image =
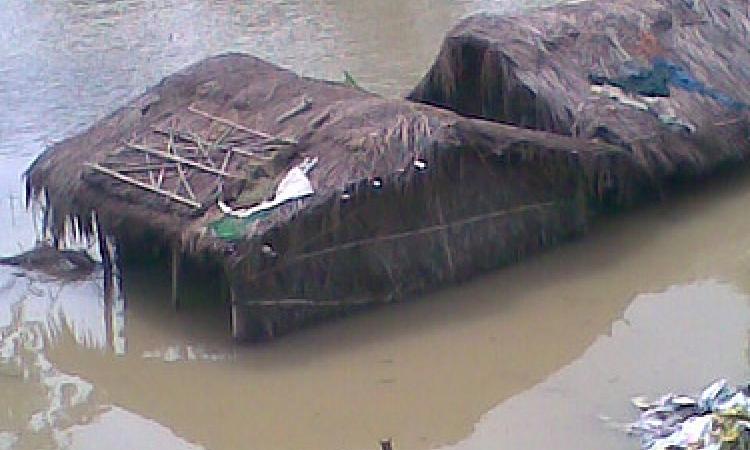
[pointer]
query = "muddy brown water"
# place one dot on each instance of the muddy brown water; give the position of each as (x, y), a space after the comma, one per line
(544, 354)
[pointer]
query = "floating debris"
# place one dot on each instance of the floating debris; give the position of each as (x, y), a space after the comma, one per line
(175, 353)
(718, 420)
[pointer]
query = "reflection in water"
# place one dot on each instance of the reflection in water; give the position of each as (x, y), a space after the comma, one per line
(33, 313)
(46, 407)
(28, 300)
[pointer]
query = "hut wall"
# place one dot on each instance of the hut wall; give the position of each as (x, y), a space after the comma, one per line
(467, 213)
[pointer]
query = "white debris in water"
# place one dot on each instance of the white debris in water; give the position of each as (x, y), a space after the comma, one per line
(36, 311)
(151, 354)
(681, 422)
(175, 353)
(38, 421)
(172, 354)
(119, 345)
(191, 356)
(40, 310)
(43, 363)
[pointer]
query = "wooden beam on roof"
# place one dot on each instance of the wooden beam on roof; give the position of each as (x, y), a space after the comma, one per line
(140, 184)
(228, 122)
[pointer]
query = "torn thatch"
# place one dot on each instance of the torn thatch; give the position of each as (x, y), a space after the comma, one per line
(666, 80)
(406, 196)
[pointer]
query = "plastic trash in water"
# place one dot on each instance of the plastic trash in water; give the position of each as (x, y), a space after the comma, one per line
(718, 419)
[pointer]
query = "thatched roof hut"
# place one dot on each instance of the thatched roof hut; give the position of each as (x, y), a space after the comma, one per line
(406, 196)
(666, 80)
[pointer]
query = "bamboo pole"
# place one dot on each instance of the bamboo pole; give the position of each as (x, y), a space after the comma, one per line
(178, 159)
(162, 172)
(183, 136)
(444, 234)
(239, 151)
(104, 252)
(151, 178)
(304, 105)
(227, 157)
(183, 179)
(228, 122)
(306, 302)
(143, 168)
(224, 166)
(180, 172)
(238, 317)
(129, 180)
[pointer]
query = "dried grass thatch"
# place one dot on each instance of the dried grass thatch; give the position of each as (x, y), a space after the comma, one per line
(407, 196)
(536, 69)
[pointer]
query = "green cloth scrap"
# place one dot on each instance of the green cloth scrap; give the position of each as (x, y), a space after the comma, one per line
(233, 228)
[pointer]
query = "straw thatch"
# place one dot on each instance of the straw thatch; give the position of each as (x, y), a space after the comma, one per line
(407, 196)
(666, 80)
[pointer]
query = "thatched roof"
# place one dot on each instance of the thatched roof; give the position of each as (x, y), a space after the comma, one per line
(558, 69)
(357, 138)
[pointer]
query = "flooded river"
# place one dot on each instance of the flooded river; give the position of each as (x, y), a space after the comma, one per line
(544, 354)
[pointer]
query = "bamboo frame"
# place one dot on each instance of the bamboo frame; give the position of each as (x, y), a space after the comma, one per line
(140, 184)
(179, 159)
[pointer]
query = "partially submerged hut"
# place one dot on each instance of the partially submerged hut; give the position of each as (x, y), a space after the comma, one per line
(384, 198)
(668, 81)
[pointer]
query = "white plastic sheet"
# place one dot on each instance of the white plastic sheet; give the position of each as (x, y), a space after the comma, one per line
(293, 186)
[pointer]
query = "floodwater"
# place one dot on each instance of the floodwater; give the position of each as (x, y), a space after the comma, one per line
(544, 354)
